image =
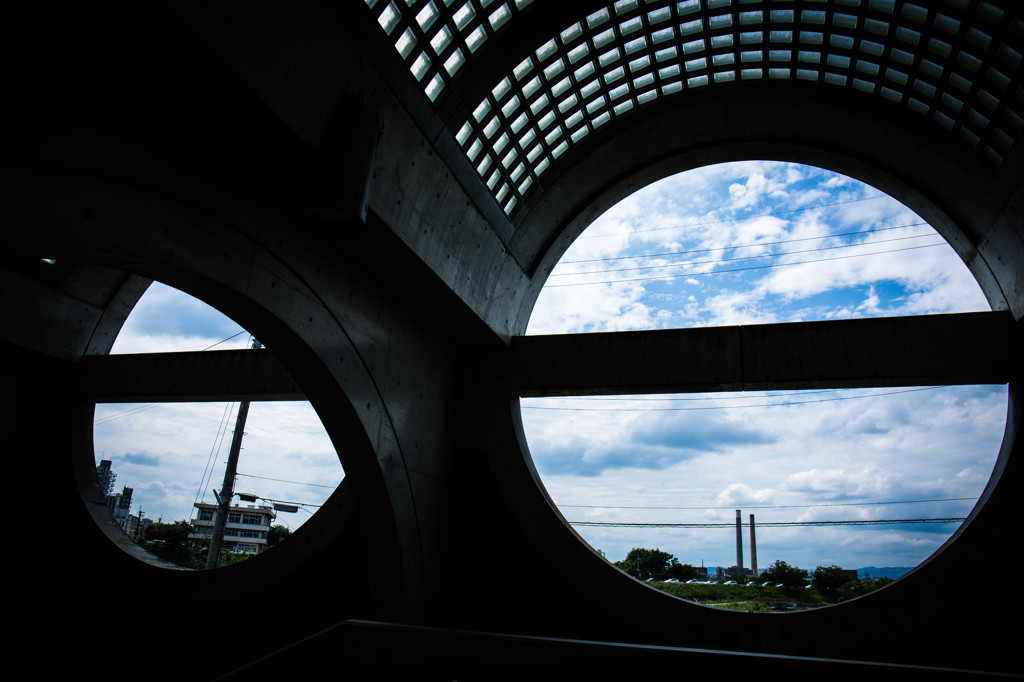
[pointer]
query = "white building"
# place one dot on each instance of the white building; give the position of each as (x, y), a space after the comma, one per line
(245, 531)
(120, 506)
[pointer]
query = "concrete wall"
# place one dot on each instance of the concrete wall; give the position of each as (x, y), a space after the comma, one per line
(188, 151)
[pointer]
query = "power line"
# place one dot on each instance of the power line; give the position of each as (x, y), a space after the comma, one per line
(218, 440)
(725, 407)
(762, 524)
(281, 480)
(745, 246)
(225, 340)
(741, 258)
(274, 500)
(779, 506)
(752, 267)
(735, 220)
(126, 413)
(748, 395)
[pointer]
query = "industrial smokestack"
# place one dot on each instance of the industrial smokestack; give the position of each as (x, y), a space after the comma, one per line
(739, 540)
(753, 549)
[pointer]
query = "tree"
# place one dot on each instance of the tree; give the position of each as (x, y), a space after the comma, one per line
(276, 534)
(781, 572)
(855, 589)
(227, 558)
(828, 580)
(169, 533)
(681, 572)
(647, 564)
(169, 541)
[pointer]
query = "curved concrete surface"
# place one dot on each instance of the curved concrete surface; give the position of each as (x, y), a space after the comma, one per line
(291, 167)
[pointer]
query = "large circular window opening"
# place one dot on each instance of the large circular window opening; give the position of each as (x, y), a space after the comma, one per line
(186, 473)
(763, 499)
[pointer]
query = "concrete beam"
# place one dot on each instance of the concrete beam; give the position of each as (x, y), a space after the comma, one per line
(226, 375)
(904, 351)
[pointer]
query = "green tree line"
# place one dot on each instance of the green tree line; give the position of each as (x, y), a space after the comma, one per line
(828, 584)
(170, 542)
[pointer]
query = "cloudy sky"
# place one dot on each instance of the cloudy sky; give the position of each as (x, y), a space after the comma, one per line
(749, 243)
(174, 454)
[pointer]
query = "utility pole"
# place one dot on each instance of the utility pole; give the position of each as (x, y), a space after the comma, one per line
(227, 489)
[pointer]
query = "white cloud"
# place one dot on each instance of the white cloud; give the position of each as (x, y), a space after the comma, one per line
(871, 480)
(740, 493)
(603, 307)
(165, 343)
(757, 186)
(738, 307)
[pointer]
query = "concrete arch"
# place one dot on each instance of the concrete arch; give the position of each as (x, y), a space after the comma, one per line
(973, 209)
(197, 140)
(98, 224)
(903, 613)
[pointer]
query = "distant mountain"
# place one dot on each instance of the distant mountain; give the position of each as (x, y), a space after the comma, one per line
(887, 572)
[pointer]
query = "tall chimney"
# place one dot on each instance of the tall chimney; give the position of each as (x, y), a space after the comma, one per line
(753, 549)
(739, 540)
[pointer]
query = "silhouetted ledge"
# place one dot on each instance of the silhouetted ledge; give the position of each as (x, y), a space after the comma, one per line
(361, 649)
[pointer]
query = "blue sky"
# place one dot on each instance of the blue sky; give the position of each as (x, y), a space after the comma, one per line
(749, 243)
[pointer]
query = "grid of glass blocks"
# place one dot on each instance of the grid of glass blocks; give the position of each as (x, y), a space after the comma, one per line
(437, 37)
(956, 62)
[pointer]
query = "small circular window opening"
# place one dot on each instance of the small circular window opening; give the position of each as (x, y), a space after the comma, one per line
(762, 500)
(186, 474)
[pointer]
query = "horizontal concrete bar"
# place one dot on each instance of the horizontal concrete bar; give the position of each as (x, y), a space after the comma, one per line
(225, 375)
(964, 348)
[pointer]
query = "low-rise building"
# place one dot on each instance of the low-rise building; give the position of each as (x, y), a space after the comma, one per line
(245, 531)
(120, 507)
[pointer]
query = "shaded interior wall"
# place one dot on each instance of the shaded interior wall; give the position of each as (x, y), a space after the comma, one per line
(172, 125)
(442, 520)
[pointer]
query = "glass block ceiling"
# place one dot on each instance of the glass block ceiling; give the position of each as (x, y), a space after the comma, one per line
(955, 62)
